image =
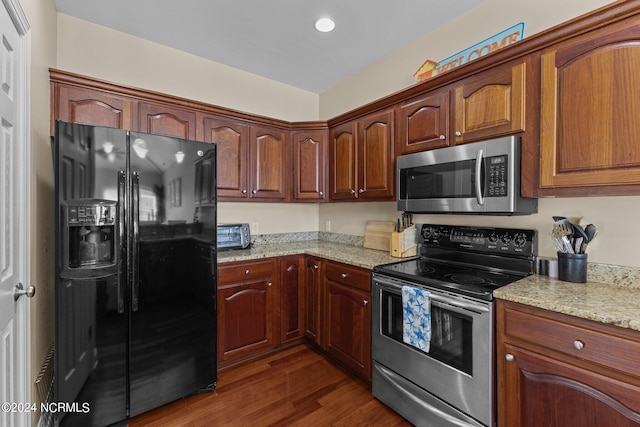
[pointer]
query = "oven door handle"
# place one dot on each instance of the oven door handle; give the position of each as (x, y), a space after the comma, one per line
(451, 302)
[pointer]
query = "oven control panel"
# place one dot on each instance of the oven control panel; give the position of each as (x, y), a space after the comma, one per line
(510, 241)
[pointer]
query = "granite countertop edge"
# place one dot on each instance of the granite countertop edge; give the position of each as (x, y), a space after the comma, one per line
(615, 304)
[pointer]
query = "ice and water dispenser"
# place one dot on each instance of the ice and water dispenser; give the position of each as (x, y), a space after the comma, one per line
(89, 235)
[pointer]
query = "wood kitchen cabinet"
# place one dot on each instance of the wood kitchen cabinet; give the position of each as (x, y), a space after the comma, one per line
(590, 132)
(232, 140)
(558, 370)
(292, 276)
(166, 120)
(91, 107)
(247, 317)
(347, 316)
(314, 274)
(310, 154)
(362, 158)
(269, 169)
(423, 123)
(489, 104)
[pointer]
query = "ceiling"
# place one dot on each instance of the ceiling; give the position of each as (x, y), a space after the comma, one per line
(276, 39)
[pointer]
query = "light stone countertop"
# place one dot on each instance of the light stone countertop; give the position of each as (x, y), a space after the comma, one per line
(611, 303)
(341, 252)
(611, 294)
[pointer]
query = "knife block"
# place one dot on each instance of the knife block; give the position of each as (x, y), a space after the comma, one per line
(402, 244)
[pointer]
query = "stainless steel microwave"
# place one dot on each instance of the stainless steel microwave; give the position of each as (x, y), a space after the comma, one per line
(233, 236)
(477, 178)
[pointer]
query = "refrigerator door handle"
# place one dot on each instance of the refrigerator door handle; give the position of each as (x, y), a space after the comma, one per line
(121, 233)
(136, 235)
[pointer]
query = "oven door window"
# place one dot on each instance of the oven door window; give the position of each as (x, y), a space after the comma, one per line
(451, 332)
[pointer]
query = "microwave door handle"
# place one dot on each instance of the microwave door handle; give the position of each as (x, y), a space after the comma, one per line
(479, 161)
(121, 245)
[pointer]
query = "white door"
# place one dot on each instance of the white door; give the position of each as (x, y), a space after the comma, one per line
(14, 182)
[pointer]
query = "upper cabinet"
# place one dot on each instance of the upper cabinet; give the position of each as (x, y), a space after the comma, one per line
(269, 167)
(486, 105)
(423, 123)
(91, 107)
(361, 158)
(590, 131)
(490, 104)
(232, 140)
(161, 119)
(310, 153)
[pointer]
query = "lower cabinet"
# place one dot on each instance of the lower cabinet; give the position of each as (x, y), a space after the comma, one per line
(291, 298)
(348, 316)
(246, 309)
(558, 370)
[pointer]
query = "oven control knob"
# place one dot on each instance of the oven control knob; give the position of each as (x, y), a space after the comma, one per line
(520, 240)
(493, 238)
(506, 239)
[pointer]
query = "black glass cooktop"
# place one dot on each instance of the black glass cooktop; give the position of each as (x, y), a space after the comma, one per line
(472, 281)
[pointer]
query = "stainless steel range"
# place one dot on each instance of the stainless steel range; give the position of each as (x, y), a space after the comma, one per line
(433, 323)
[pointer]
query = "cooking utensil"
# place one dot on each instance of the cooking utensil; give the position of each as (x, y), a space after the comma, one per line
(563, 229)
(590, 231)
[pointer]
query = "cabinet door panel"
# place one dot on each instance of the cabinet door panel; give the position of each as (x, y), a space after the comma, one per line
(343, 162)
(309, 160)
(313, 299)
(376, 170)
(490, 104)
(424, 123)
(232, 150)
(92, 107)
(292, 307)
(245, 313)
(163, 120)
(268, 157)
(349, 327)
(589, 121)
(548, 392)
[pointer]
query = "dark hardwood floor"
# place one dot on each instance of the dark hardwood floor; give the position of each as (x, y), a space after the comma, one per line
(298, 386)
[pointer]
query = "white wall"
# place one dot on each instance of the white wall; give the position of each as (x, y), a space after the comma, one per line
(615, 217)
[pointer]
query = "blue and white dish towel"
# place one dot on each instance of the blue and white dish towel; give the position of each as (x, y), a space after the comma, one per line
(416, 318)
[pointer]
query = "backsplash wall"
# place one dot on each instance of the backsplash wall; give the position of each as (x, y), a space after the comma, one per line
(615, 217)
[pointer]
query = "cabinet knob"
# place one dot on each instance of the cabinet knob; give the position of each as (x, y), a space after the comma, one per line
(315, 266)
(509, 357)
(442, 137)
(244, 191)
(578, 345)
(247, 271)
(361, 191)
(458, 133)
(254, 191)
(321, 193)
(344, 275)
(365, 302)
(270, 284)
(353, 191)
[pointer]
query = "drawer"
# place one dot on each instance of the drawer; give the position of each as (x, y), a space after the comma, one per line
(245, 271)
(601, 344)
(347, 275)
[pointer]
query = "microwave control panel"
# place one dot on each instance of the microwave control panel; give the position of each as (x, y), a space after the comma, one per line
(497, 176)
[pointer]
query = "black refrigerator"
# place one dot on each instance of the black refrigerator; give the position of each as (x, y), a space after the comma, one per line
(135, 267)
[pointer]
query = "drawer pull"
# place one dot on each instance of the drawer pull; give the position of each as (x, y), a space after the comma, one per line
(578, 345)
(509, 357)
(270, 284)
(247, 271)
(344, 275)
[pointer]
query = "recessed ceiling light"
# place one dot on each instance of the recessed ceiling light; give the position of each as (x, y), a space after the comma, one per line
(325, 25)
